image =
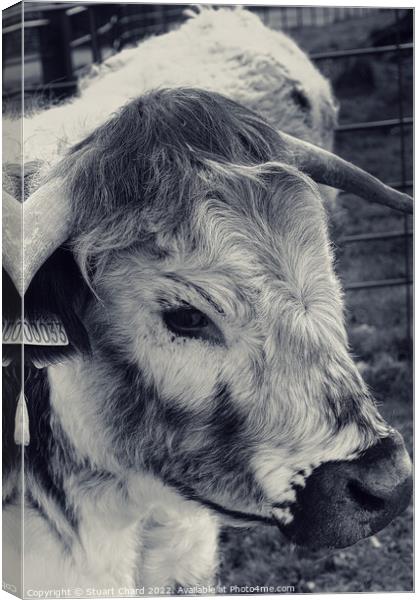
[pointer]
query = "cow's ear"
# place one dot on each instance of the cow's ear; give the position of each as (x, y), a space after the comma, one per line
(54, 304)
(52, 328)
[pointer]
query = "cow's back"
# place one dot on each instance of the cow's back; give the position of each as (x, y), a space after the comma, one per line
(228, 51)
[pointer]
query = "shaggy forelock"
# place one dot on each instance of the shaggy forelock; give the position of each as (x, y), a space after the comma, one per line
(142, 174)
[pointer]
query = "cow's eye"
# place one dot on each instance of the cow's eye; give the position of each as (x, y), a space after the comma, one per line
(190, 322)
(183, 320)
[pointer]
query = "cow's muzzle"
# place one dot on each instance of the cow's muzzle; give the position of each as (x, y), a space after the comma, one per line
(345, 501)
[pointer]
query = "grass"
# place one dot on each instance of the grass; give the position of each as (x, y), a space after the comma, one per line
(367, 89)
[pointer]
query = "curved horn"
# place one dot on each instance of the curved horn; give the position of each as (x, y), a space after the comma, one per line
(42, 221)
(327, 168)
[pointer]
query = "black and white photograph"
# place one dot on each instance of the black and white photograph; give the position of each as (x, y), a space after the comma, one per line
(207, 299)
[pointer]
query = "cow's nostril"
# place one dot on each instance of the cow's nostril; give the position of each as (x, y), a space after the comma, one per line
(359, 497)
(364, 498)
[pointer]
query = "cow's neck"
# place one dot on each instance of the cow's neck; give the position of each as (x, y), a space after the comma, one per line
(113, 530)
(84, 511)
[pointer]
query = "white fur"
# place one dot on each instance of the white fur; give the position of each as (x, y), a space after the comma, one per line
(147, 539)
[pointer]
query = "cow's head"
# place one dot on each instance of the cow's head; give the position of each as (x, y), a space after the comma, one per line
(215, 319)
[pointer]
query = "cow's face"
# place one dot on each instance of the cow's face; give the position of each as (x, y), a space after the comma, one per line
(220, 353)
(236, 385)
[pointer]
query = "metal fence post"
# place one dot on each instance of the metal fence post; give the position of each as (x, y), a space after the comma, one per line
(119, 40)
(96, 49)
(57, 64)
(160, 16)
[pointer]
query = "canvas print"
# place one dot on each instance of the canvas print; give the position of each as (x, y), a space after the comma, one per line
(207, 299)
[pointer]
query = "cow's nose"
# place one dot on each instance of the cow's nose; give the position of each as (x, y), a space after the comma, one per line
(345, 501)
(380, 481)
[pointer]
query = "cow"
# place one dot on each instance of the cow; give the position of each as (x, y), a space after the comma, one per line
(196, 370)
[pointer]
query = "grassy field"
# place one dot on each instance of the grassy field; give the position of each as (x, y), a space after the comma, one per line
(367, 89)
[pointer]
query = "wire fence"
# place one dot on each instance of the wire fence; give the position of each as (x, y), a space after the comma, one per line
(401, 121)
(61, 39)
